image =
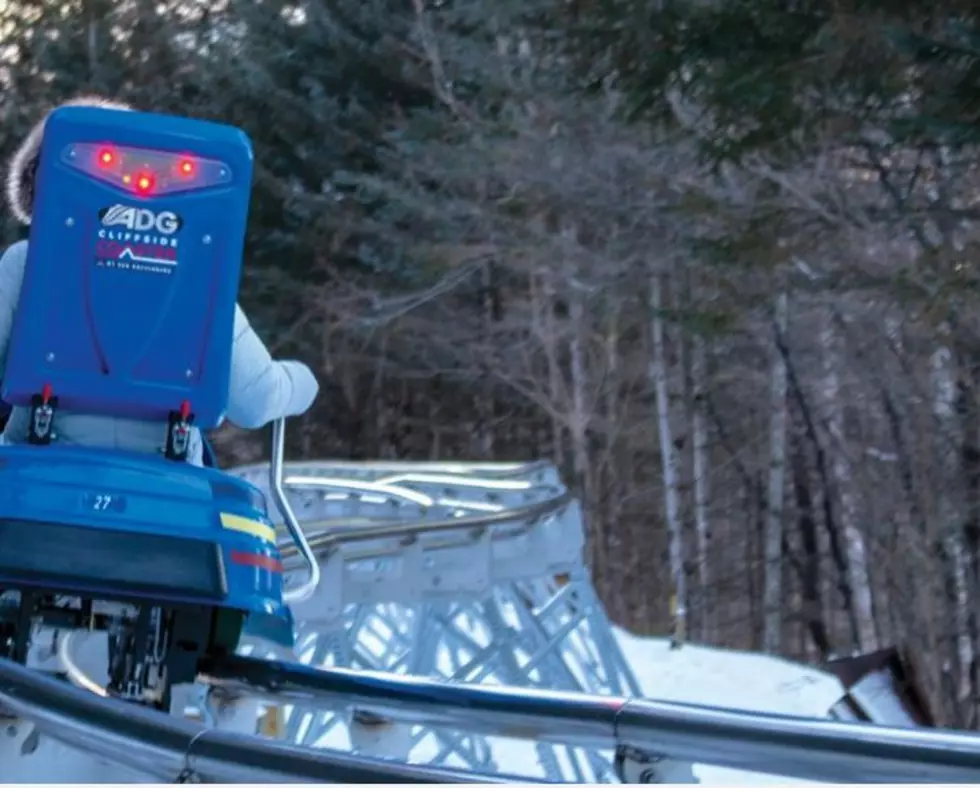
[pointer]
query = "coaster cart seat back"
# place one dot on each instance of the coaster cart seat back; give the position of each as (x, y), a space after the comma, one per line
(127, 309)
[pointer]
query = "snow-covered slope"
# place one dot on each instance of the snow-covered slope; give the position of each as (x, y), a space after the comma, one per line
(729, 679)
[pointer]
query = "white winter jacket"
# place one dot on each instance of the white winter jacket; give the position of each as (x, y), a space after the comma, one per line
(261, 390)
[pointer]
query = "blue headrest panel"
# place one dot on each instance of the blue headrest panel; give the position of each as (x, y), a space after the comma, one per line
(134, 261)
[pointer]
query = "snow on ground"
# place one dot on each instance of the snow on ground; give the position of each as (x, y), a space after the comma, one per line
(730, 679)
(693, 674)
(698, 675)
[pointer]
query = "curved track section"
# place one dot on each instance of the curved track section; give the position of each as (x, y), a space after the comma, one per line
(438, 584)
(464, 572)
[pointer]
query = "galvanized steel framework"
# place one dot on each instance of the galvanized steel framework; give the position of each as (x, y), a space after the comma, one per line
(466, 572)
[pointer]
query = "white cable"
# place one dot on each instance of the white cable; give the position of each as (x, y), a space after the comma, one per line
(75, 673)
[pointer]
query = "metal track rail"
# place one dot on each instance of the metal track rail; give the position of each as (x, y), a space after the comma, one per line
(172, 749)
(822, 750)
(432, 537)
(324, 539)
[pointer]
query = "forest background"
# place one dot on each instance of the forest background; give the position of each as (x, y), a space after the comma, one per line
(718, 261)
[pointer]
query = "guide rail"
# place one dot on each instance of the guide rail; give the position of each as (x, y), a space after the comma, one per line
(172, 748)
(811, 749)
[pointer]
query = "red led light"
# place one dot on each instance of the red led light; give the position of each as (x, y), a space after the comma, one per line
(144, 182)
(186, 167)
(107, 158)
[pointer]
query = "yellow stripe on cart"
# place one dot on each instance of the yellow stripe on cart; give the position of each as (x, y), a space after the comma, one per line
(234, 522)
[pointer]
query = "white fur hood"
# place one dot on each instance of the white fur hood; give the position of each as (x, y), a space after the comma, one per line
(19, 184)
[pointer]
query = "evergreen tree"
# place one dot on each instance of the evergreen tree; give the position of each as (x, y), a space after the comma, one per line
(136, 51)
(317, 90)
(779, 77)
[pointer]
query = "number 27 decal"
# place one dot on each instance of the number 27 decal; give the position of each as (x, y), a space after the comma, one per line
(104, 502)
(101, 502)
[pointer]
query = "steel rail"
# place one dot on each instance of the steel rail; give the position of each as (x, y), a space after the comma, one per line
(493, 470)
(324, 539)
(162, 746)
(810, 749)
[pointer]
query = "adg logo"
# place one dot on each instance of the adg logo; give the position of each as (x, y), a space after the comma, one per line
(137, 239)
(141, 220)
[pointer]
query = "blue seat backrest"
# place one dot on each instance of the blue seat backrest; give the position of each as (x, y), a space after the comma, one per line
(133, 266)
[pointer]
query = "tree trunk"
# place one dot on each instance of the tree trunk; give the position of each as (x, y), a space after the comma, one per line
(854, 544)
(485, 405)
(810, 589)
(702, 524)
(579, 419)
(773, 566)
(950, 513)
(542, 295)
(670, 463)
(609, 533)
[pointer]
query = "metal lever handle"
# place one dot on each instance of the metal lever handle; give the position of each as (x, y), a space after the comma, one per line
(308, 587)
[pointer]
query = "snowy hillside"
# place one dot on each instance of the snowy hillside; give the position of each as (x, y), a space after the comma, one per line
(730, 679)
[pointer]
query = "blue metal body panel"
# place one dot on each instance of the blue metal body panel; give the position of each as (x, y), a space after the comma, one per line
(128, 493)
(128, 299)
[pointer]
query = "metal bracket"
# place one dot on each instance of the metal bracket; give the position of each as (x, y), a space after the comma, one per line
(636, 766)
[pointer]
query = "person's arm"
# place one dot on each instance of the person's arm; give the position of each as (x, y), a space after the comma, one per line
(12, 265)
(263, 389)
